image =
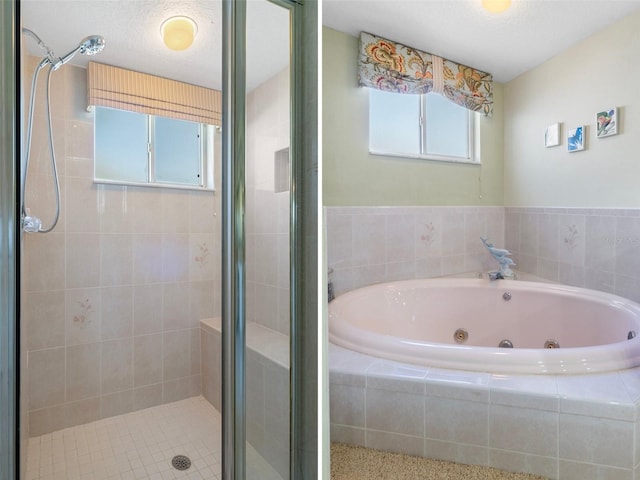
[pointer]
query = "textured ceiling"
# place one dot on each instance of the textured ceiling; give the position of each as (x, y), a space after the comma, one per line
(506, 44)
(132, 32)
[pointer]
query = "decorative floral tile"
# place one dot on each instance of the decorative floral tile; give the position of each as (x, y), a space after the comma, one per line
(202, 258)
(427, 234)
(571, 237)
(83, 313)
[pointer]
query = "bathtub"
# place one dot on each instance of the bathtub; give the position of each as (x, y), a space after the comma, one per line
(458, 323)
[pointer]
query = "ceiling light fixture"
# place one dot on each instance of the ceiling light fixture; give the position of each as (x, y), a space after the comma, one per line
(496, 6)
(178, 32)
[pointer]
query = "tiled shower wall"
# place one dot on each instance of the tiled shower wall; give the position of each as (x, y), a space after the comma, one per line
(367, 245)
(267, 216)
(592, 248)
(114, 294)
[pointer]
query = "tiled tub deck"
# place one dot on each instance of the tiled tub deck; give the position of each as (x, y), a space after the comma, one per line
(569, 427)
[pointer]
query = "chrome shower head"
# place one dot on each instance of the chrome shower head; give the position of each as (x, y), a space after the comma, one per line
(89, 46)
(92, 45)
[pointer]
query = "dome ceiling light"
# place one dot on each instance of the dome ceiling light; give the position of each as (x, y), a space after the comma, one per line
(178, 32)
(496, 6)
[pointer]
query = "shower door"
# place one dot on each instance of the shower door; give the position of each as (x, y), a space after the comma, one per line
(8, 242)
(269, 354)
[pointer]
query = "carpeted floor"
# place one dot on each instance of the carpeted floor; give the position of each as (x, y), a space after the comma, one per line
(359, 463)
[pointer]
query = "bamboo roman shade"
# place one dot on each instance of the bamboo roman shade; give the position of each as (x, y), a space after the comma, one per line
(395, 67)
(115, 87)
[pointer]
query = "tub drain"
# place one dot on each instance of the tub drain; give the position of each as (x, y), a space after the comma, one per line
(181, 462)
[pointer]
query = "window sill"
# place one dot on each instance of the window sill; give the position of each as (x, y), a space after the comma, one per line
(436, 158)
(173, 186)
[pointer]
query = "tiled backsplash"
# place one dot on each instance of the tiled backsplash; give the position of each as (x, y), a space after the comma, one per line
(592, 248)
(367, 245)
(114, 294)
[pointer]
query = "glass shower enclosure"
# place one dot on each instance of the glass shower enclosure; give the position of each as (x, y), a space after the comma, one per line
(268, 246)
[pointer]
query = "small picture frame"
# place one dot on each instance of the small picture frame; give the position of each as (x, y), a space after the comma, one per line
(552, 135)
(607, 123)
(576, 139)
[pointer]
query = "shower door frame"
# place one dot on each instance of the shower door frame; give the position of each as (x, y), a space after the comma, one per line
(9, 241)
(303, 452)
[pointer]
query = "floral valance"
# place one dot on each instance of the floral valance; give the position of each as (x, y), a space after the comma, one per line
(394, 67)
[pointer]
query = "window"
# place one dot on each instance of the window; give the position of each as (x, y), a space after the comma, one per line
(421, 126)
(139, 149)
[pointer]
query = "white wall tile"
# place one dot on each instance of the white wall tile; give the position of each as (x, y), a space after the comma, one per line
(176, 358)
(116, 257)
(579, 471)
(347, 405)
(116, 366)
(510, 429)
(395, 412)
(588, 440)
(117, 312)
(455, 452)
(457, 421)
(46, 378)
(44, 314)
(82, 371)
(147, 360)
(395, 442)
(546, 467)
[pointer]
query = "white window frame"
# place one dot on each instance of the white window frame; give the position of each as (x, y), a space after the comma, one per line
(207, 145)
(473, 136)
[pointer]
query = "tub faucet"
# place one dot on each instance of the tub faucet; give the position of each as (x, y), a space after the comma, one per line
(502, 256)
(496, 276)
(330, 293)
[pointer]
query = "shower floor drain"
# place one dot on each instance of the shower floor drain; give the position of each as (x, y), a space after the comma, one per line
(181, 462)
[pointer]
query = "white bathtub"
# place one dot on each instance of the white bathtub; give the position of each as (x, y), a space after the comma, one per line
(415, 322)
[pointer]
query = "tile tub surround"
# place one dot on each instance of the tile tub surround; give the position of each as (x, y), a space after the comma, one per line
(267, 398)
(113, 296)
(561, 427)
(597, 248)
(367, 245)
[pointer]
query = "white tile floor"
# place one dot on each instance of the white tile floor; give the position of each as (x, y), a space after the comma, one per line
(139, 446)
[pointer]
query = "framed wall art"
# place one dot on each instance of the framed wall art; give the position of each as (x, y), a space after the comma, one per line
(575, 139)
(552, 135)
(607, 123)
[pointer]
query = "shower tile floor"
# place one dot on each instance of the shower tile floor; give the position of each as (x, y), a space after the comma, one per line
(139, 446)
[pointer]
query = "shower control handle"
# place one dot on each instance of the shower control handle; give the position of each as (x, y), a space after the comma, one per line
(31, 224)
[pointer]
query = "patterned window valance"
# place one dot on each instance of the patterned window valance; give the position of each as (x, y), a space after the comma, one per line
(394, 67)
(109, 86)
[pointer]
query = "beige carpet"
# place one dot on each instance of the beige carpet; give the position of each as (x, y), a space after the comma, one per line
(359, 463)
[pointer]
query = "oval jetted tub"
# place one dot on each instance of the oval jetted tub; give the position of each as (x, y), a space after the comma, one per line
(459, 324)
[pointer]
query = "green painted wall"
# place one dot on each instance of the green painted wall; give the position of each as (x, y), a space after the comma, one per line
(352, 177)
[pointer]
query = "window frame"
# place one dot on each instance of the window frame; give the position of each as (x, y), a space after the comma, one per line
(207, 156)
(473, 136)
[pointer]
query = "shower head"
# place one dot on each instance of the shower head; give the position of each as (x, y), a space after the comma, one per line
(92, 45)
(88, 46)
